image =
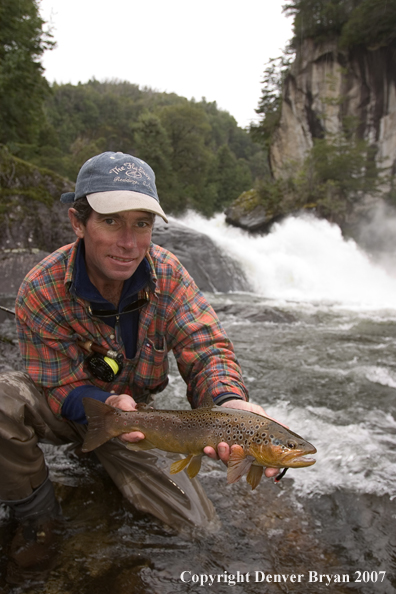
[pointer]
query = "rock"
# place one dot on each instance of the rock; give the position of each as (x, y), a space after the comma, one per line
(31, 215)
(248, 213)
(212, 270)
(256, 314)
(14, 265)
(325, 86)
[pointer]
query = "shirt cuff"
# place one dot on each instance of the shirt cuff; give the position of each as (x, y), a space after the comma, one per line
(73, 408)
(225, 397)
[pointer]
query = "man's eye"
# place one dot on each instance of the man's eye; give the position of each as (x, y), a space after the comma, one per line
(109, 221)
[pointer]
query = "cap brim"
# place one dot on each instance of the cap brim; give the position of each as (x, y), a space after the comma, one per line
(119, 200)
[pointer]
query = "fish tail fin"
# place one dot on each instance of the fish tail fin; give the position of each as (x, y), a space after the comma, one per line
(98, 415)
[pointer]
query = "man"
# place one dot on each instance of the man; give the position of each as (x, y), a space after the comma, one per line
(97, 318)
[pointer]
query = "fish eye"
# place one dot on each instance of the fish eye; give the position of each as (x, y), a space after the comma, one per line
(291, 445)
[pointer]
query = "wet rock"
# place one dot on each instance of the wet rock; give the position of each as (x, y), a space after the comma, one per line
(14, 265)
(256, 314)
(212, 269)
(31, 215)
(247, 212)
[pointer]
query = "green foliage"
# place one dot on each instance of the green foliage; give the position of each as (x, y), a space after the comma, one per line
(270, 104)
(191, 146)
(320, 19)
(153, 146)
(188, 131)
(229, 177)
(22, 85)
(372, 24)
(22, 180)
(200, 156)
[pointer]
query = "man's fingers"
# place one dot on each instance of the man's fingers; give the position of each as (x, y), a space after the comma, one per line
(133, 436)
(122, 401)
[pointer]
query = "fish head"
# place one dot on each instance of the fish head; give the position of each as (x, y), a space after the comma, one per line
(282, 449)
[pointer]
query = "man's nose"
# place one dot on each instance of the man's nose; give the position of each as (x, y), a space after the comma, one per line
(127, 239)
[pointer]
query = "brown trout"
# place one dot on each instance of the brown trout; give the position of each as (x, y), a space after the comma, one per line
(260, 441)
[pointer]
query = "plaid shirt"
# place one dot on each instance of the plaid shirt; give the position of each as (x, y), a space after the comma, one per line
(51, 319)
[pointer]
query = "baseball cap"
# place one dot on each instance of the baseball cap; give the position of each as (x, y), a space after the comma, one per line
(113, 182)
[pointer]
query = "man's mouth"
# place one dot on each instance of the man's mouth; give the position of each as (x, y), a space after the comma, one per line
(122, 259)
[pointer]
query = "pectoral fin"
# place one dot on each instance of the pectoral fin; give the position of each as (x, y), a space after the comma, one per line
(254, 475)
(180, 465)
(238, 464)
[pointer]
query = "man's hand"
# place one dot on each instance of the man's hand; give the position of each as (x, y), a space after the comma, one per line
(127, 403)
(223, 449)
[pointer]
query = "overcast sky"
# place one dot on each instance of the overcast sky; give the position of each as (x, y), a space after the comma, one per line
(215, 49)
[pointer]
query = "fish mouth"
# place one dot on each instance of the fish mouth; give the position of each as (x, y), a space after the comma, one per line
(301, 461)
(296, 460)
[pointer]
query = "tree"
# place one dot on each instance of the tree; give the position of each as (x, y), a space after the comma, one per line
(372, 24)
(270, 104)
(231, 177)
(320, 19)
(23, 87)
(152, 144)
(189, 134)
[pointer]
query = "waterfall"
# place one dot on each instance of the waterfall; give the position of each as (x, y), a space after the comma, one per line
(303, 259)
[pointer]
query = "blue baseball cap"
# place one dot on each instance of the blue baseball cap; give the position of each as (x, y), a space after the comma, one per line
(113, 182)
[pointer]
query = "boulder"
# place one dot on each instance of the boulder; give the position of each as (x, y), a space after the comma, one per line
(212, 269)
(247, 212)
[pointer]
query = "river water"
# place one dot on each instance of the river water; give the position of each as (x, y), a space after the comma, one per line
(315, 333)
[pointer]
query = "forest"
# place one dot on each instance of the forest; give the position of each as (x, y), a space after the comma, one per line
(201, 158)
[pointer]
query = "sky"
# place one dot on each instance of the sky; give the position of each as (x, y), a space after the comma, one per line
(215, 49)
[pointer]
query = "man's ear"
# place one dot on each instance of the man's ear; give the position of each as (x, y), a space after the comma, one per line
(78, 226)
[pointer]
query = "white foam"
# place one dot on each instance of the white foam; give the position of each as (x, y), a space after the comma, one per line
(357, 456)
(303, 259)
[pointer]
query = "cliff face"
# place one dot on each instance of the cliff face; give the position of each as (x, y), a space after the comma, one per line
(31, 215)
(324, 86)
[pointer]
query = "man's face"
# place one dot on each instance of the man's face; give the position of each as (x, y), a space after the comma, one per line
(115, 244)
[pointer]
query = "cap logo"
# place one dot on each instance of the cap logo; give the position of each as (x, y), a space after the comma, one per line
(131, 171)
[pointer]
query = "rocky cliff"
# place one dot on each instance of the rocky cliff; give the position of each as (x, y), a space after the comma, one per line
(324, 86)
(327, 88)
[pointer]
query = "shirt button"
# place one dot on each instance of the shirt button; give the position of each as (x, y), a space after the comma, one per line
(112, 336)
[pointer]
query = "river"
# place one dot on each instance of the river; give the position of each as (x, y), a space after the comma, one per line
(315, 333)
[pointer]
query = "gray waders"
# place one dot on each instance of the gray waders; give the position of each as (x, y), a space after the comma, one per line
(142, 477)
